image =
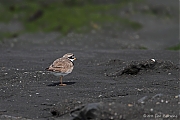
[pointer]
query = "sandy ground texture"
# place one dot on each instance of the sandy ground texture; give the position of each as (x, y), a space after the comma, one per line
(113, 78)
(123, 84)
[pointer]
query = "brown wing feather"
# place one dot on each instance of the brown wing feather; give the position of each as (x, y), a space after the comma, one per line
(61, 65)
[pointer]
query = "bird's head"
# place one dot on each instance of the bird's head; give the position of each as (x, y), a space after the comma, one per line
(70, 56)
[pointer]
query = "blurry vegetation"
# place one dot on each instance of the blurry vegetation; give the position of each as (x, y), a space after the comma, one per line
(157, 10)
(64, 15)
(7, 35)
(143, 48)
(177, 47)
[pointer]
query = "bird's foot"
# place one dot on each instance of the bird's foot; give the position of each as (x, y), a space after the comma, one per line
(62, 84)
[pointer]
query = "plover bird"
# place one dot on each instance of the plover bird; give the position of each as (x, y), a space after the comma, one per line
(62, 66)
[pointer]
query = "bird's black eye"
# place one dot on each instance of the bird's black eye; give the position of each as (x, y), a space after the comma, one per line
(71, 57)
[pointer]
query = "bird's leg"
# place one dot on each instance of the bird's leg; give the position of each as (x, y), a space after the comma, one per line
(61, 83)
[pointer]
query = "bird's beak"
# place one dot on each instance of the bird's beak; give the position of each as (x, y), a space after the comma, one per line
(75, 58)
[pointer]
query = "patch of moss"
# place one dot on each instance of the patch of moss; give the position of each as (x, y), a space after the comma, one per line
(176, 47)
(142, 48)
(65, 16)
(7, 35)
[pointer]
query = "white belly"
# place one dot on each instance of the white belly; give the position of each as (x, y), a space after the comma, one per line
(59, 74)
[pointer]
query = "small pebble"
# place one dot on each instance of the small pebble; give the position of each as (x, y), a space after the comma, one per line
(100, 96)
(79, 102)
(153, 60)
(169, 73)
(176, 96)
(157, 103)
(111, 118)
(130, 105)
(35, 105)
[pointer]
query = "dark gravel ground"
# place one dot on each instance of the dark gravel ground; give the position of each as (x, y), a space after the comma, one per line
(112, 78)
(30, 92)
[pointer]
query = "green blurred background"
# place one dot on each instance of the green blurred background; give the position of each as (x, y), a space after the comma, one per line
(65, 16)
